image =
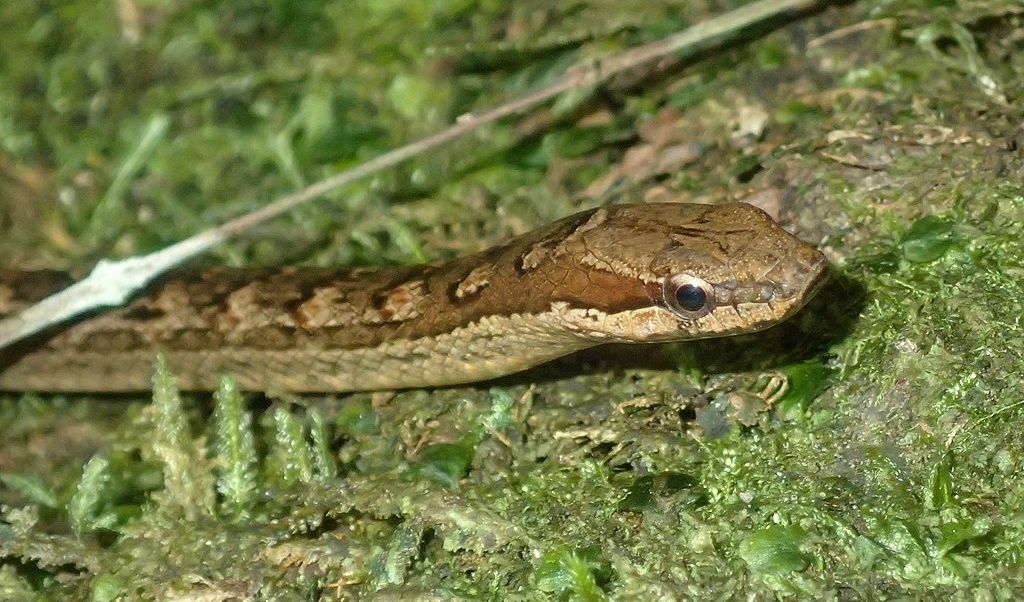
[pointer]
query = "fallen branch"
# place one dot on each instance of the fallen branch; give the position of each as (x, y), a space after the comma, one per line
(111, 283)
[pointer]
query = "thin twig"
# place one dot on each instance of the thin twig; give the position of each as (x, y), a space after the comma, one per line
(113, 283)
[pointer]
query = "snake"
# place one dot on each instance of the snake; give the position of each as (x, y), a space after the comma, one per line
(639, 273)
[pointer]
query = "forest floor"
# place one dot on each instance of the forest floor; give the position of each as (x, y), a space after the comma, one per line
(888, 133)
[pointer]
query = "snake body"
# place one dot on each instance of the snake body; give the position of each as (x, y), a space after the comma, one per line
(623, 273)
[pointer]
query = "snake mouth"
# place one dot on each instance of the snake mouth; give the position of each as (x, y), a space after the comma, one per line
(816, 275)
(808, 279)
(821, 271)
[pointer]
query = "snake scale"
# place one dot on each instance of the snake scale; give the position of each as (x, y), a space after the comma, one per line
(621, 273)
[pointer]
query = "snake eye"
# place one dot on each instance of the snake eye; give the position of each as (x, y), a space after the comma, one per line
(691, 297)
(688, 297)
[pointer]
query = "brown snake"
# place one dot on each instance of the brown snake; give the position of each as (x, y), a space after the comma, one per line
(622, 273)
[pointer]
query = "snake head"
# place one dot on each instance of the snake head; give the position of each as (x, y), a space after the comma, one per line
(704, 270)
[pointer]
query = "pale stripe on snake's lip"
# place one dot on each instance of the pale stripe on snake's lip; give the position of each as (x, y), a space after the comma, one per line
(593, 277)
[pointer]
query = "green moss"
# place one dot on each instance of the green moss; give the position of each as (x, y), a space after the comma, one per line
(887, 467)
(84, 509)
(774, 550)
(572, 574)
(236, 449)
(447, 462)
